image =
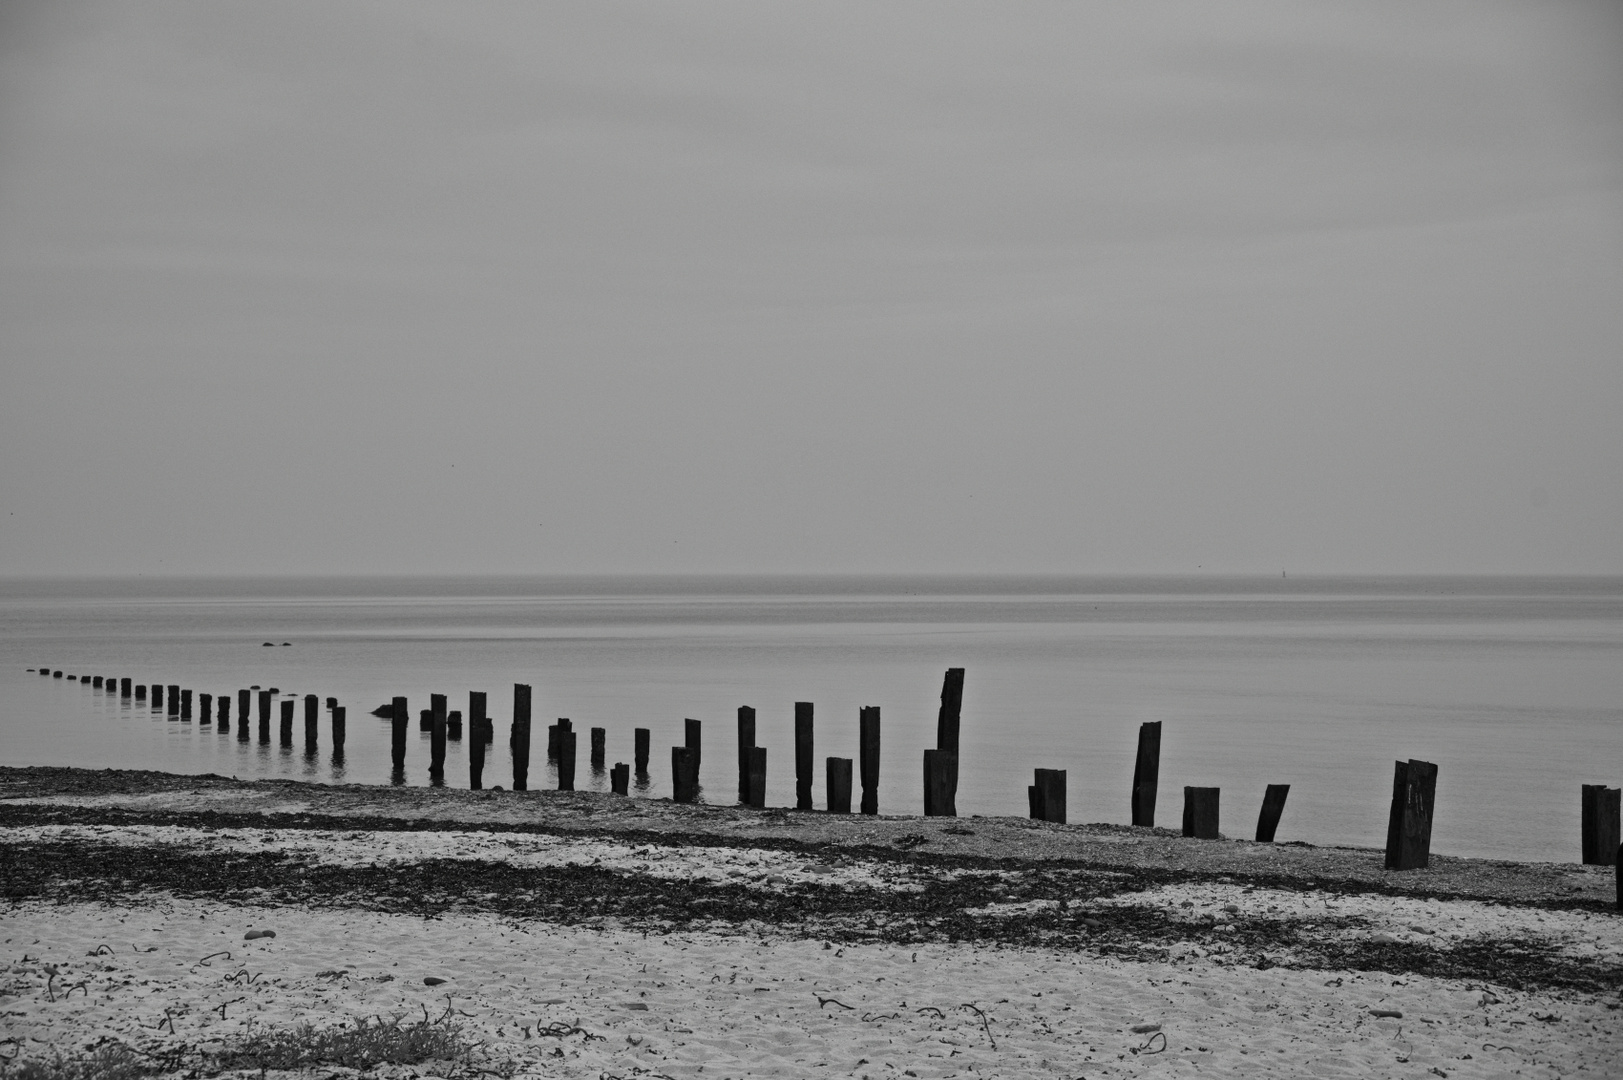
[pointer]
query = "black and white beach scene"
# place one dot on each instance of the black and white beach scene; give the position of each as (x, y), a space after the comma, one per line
(876, 540)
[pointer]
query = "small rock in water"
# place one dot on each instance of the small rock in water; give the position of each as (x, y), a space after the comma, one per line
(255, 935)
(432, 980)
(267, 645)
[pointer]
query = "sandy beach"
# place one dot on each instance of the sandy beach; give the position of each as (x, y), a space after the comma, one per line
(587, 936)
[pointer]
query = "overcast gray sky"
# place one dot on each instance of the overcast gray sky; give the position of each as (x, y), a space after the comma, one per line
(341, 287)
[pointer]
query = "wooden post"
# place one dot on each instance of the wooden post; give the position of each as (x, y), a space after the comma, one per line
(436, 739)
(600, 741)
(312, 721)
(244, 707)
(946, 728)
(839, 785)
(566, 761)
(692, 736)
(1273, 804)
(552, 741)
(1408, 830)
(1146, 773)
(123, 688)
(805, 762)
(332, 703)
(205, 708)
(1600, 823)
(174, 700)
(1200, 812)
(338, 716)
(286, 730)
(1047, 796)
(746, 739)
(399, 718)
(264, 716)
(157, 693)
(453, 725)
(620, 778)
(1617, 857)
(225, 713)
(756, 796)
(477, 720)
(141, 692)
(95, 682)
(639, 737)
(940, 769)
(684, 775)
(185, 704)
(243, 720)
(521, 737)
(476, 743)
(868, 756)
(425, 720)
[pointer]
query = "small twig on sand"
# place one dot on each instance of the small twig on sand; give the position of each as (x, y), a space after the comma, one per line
(984, 1022)
(821, 1001)
(205, 961)
(939, 1015)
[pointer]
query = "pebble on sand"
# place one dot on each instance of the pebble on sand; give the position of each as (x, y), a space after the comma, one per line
(255, 935)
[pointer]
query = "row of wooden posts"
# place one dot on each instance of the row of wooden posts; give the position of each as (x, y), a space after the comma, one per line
(1408, 839)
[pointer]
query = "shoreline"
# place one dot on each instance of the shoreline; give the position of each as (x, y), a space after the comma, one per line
(1263, 948)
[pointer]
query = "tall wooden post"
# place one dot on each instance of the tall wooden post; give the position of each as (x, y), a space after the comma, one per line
(755, 797)
(746, 739)
(312, 721)
(1146, 773)
(946, 728)
(600, 748)
(1200, 812)
(940, 774)
(245, 700)
(684, 775)
(95, 682)
(477, 719)
(205, 708)
(566, 760)
(399, 719)
(639, 737)
(692, 738)
(140, 691)
(264, 715)
(1273, 805)
(124, 687)
(805, 762)
(174, 700)
(620, 778)
(1600, 823)
(521, 737)
(436, 739)
(185, 704)
(1408, 830)
(839, 785)
(225, 713)
(157, 694)
(338, 715)
(286, 729)
(868, 756)
(453, 725)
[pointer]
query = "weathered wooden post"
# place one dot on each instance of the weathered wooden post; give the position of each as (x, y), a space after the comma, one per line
(521, 737)
(286, 730)
(95, 682)
(620, 778)
(566, 760)
(1273, 805)
(244, 708)
(173, 700)
(205, 708)
(399, 719)
(425, 720)
(141, 692)
(555, 733)
(693, 739)
(1047, 796)
(225, 713)
(805, 762)
(746, 739)
(264, 715)
(639, 737)
(684, 775)
(839, 785)
(1617, 857)
(332, 703)
(1200, 812)
(312, 722)
(477, 718)
(436, 739)
(1600, 823)
(338, 714)
(755, 798)
(476, 749)
(1147, 773)
(123, 687)
(1408, 830)
(453, 725)
(600, 744)
(940, 795)
(868, 756)
(185, 704)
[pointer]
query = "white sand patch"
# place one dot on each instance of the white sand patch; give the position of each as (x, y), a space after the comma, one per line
(746, 866)
(1399, 919)
(700, 1005)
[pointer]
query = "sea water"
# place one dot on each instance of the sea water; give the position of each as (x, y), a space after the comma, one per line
(1512, 686)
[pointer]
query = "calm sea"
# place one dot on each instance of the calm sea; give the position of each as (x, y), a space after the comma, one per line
(1513, 686)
